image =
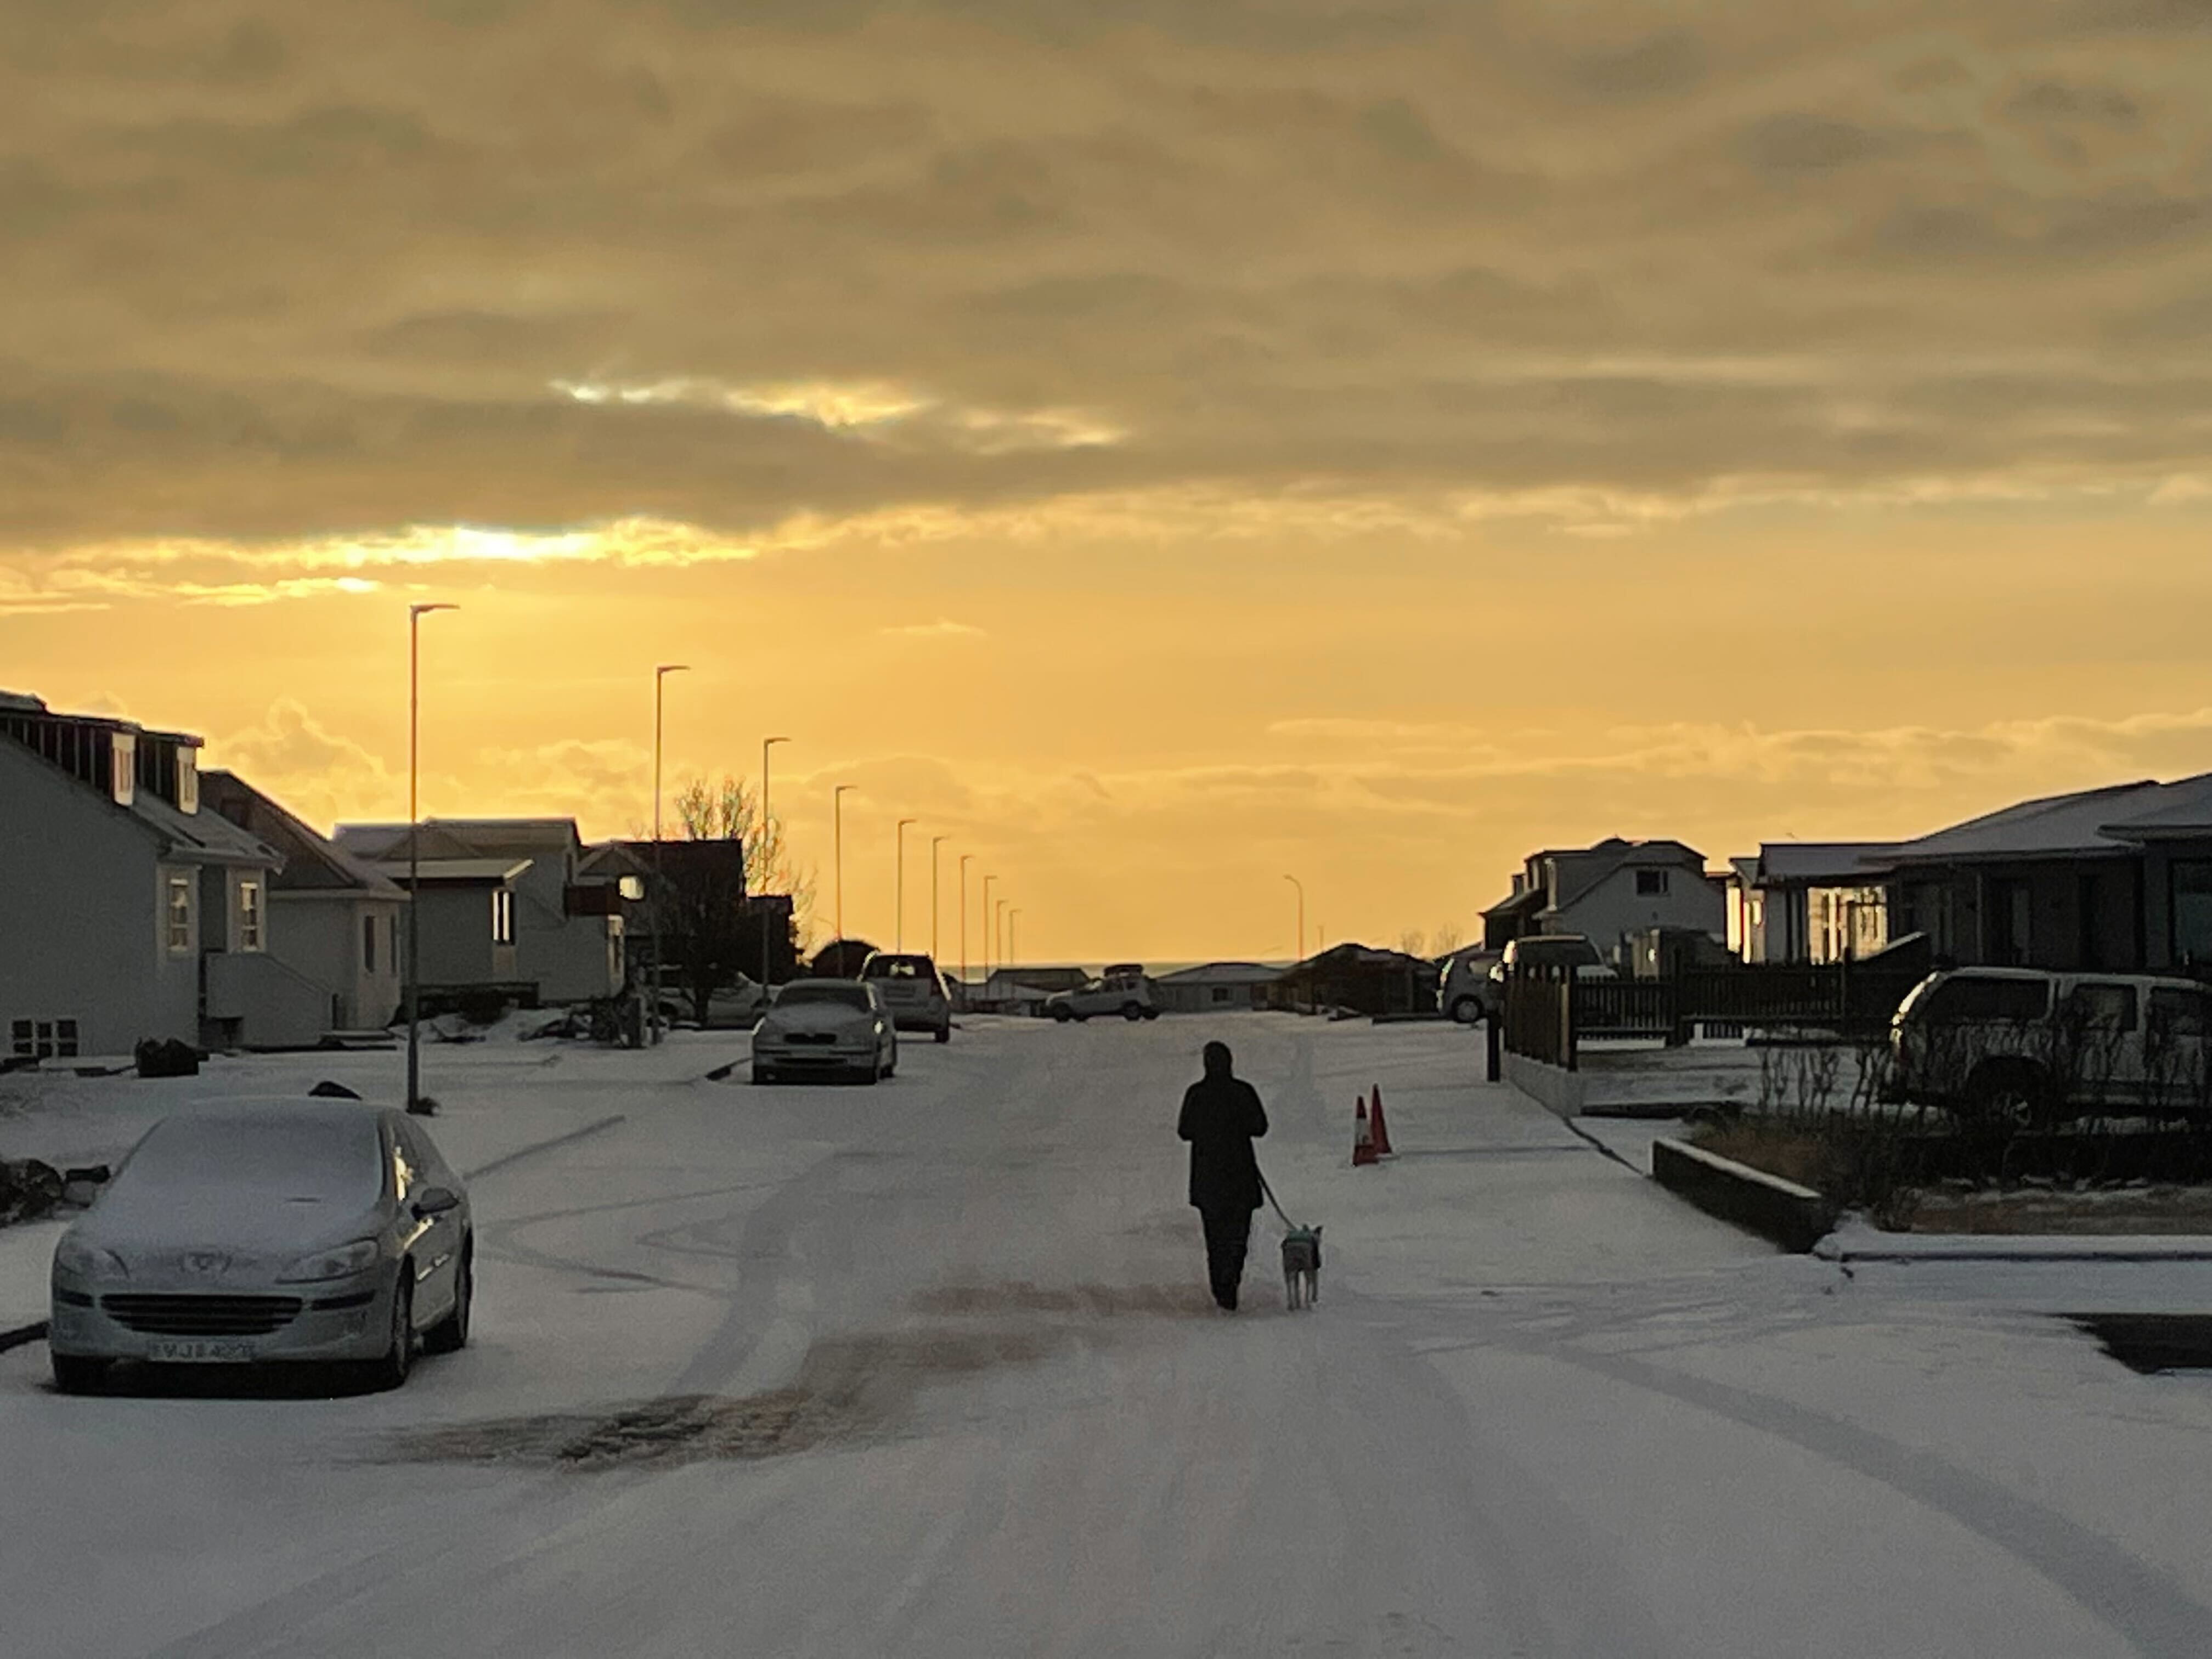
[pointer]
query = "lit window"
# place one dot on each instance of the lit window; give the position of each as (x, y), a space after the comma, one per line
(188, 780)
(123, 768)
(180, 913)
(502, 917)
(249, 915)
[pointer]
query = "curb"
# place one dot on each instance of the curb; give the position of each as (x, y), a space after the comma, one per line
(2136, 1255)
(1796, 1217)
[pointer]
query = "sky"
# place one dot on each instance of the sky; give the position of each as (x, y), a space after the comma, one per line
(1161, 448)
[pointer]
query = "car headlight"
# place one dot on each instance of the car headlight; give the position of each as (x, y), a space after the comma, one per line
(356, 1257)
(84, 1262)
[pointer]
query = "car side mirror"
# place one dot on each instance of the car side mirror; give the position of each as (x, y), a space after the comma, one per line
(436, 1200)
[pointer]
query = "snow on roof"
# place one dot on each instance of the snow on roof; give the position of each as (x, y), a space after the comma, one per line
(2088, 822)
(207, 837)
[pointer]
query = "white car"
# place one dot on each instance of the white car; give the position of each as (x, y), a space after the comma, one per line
(301, 1231)
(1124, 992)
(912, 990)
(826, 1028)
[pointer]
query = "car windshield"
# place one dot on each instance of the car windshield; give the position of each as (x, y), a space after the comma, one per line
(1556, 953)
(842, 996)
(333, 1158)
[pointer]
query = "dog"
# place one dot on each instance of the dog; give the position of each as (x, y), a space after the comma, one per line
(1302, 1266)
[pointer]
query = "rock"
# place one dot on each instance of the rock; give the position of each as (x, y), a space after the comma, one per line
(327, 1089)
(167, 1057)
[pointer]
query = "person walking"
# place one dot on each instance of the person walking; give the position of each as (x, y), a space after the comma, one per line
(1221, 1118)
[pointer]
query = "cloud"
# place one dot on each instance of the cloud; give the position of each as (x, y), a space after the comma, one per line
(942, 628)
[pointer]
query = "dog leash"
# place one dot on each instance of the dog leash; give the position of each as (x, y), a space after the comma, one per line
(1270, 1192)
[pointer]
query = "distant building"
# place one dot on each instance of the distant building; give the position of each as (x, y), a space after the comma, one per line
(1023, 990)
(334, 921)
(125, 911)
(1358, 977)
(1608, 892)
(1809, 901)
(1216, 988)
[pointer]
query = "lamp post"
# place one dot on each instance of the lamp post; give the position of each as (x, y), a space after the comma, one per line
(999, 930)
(1299, 955)
(964, 857)
(898, 890)
(935, 842)
(768, 849)
(415, 615)
(988, 880)
(1013, 948)
(837, 841)
(660, 674)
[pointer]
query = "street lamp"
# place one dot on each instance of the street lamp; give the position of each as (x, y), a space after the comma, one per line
(988, 880)
(898, 890)
(767, 851)
(837, 841)
(999, 930)
(964, 857)
(415, 615)
(1013, 949)
(935, 842)
(1299, 955)
(660, 678)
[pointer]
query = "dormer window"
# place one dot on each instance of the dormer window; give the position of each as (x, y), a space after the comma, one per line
(123, 768)
(188, 780)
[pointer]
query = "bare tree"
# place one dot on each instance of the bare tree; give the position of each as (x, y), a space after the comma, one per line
(716, 938)
(1446, 939)
(1410, 941)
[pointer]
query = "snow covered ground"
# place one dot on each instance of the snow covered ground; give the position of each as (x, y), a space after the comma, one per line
(957, 1323)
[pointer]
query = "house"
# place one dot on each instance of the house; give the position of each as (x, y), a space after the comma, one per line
(127, 912)
(698, 872)
(334, 921)
(1023, 990)
(1358, 977)
(1606, 892)
(2106, 879)
(1809, 901)
(1216, 988)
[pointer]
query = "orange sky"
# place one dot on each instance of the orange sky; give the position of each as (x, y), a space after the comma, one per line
(1159, 455)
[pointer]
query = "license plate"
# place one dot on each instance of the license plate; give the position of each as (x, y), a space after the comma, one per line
(201, 1352)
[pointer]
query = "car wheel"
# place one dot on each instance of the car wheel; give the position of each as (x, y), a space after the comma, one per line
(945, 1032)
(1465, 1011)
(76, 1373)
(1062, 1012)
(451, 1334)
(763, 1074)
(390, 1370)
(1132, 1011)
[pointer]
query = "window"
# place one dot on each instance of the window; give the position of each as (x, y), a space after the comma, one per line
(188, 780)
(1967, 996)
(249, 915)
(2181, 1013)
(1221, 994)
(43, 1039)
(1650, 884)
(2192, 912)
(502, 917)
(123, 768)
(2102, 1007)
(368, 944)
(180, 913)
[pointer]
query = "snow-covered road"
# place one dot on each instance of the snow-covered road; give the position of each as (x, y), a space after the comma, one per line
(928, 1370)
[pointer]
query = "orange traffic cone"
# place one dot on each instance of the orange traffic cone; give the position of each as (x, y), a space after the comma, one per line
(1381, 1129)
(1362, 1140)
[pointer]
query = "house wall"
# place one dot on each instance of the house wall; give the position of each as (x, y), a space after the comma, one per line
(1612, 910)
(79, 921)
(1209, 997)
(318, 933)
(457, 944)
(572, 958)
(255, 999)
(2078, 914)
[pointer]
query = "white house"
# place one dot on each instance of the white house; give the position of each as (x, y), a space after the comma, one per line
(1608, 891)
(1216, 988)
(334, 921)
(501, 906)
(127, 912)
(1809, 901)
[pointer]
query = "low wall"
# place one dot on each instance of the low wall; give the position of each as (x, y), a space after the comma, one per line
(1796, 1217)
(1553, 1087)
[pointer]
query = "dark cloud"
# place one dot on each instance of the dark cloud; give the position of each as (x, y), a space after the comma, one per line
(1794, 143)
(1670, 61)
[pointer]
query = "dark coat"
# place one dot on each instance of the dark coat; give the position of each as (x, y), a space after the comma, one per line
(1221, 1115)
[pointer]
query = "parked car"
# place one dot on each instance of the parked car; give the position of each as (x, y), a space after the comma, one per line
(293, 1231)
(1126, 991)
(826, 1027)
(1553, 951)
(1464, 990)
(913, 990)
(2023, 1043)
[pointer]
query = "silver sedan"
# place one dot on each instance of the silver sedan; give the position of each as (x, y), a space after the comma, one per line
(310, 1230)
(826, 1028)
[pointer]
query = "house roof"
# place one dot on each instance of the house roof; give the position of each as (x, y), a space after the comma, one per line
(313, 863)
(2058, 826)
(460, 837)
(1780, 863)
(1223, 973)
(1358, 956)
(1042, 979)
(2185, 811)
(203, 837)
(1612, 855)
(1527, 901)
(489, 872)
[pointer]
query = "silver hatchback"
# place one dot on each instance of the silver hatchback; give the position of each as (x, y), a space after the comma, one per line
(312, 1229)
